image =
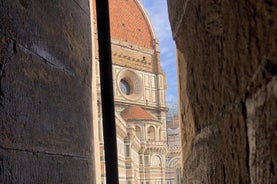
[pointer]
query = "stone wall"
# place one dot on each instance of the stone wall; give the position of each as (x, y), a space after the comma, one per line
(228, 89)
(45, 92)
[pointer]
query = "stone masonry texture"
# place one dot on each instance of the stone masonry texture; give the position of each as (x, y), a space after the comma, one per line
(45, 92)
(228, 89)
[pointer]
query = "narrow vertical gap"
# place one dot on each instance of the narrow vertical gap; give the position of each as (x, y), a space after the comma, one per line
(107, 96)
(247, 146)
(2, 73)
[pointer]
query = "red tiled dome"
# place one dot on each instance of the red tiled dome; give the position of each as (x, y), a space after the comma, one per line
(128, 23)
(136, 113)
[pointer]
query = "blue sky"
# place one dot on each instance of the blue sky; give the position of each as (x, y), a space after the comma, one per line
(157, 11)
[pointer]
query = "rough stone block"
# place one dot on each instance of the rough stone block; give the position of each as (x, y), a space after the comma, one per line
(33, 168)
(228, 52)
(45, 92)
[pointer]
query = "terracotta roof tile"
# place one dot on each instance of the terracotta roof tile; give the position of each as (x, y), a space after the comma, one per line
(128, 23)
(136, 113)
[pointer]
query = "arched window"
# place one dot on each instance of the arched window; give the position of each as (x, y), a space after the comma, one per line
(156, 161)
(151, 133)
(138, 132)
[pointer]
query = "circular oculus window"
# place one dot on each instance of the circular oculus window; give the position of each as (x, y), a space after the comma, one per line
(130, 84)
(125, 87)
